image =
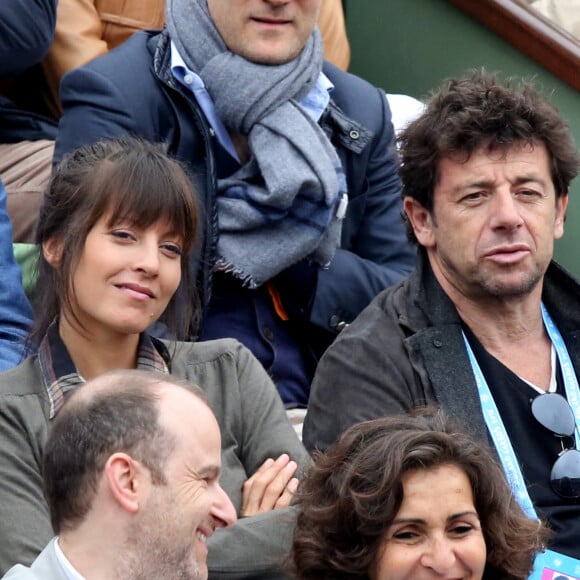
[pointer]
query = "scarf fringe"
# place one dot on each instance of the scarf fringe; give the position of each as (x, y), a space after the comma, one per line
(247, 280)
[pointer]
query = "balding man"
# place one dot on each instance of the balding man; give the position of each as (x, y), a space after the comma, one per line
(132, 482)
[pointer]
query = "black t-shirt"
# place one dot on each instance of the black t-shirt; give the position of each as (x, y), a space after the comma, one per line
(536, 448)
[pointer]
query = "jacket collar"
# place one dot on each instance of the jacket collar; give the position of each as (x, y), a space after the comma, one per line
(561, 294)
(160, 47)
(430, 305)
(348, 133)
(436, 340)
(61, 378)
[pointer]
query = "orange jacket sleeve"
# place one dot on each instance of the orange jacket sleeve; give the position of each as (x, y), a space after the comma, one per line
(332, 26)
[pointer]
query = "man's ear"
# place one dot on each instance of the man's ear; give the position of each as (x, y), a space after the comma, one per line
(421, 220)
(128, 481)
(561, 206)
(52, 251)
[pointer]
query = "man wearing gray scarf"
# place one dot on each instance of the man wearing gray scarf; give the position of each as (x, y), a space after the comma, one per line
(295, 169)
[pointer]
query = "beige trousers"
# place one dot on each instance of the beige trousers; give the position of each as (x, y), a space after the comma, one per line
(25, 169)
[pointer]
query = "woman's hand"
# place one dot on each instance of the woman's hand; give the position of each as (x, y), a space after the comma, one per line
(271, 487)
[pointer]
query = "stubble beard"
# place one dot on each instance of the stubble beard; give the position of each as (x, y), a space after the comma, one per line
(154, 551)
(155, 562)
(495, 287)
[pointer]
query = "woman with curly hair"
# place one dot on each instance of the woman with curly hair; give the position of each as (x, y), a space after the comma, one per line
(411, 498)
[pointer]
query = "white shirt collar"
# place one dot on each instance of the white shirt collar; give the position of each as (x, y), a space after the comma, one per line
(67, 567)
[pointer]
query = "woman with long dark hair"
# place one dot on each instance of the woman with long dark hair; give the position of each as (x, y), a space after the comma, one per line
(116, 232)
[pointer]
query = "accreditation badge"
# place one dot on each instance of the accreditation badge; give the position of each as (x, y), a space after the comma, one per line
(550, 565)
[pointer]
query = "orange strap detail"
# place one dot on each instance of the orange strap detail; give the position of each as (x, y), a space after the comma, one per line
(277, 302)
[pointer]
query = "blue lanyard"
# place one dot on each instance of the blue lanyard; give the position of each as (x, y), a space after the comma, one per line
(571, 387)
(495, 425)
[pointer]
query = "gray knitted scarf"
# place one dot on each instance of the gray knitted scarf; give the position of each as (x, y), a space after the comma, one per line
(281, 206)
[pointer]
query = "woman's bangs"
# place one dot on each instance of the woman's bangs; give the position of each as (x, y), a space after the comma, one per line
(143, 198)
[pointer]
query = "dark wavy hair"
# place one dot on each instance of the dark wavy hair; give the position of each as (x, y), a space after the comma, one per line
(133, 181)
(469, 113)
(354, 490)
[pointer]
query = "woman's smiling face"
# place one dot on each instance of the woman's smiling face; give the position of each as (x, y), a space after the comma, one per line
(436, 532)
(125, 277)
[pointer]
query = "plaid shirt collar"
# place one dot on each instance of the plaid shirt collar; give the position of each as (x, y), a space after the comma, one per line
(61, 377)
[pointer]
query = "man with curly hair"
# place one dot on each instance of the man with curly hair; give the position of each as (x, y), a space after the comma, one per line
(487, 326)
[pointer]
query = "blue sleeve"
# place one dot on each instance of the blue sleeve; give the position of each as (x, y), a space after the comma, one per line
(26, 33)
(378, 255)
(15, 311)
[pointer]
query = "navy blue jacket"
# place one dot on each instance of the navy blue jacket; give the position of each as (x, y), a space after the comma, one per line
(26, 33)
(131, 90)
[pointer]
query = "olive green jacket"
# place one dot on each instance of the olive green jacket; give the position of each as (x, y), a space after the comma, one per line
(253, 426)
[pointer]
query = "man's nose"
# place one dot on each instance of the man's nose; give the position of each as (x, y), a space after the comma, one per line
(223, 510)
(506, 211)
